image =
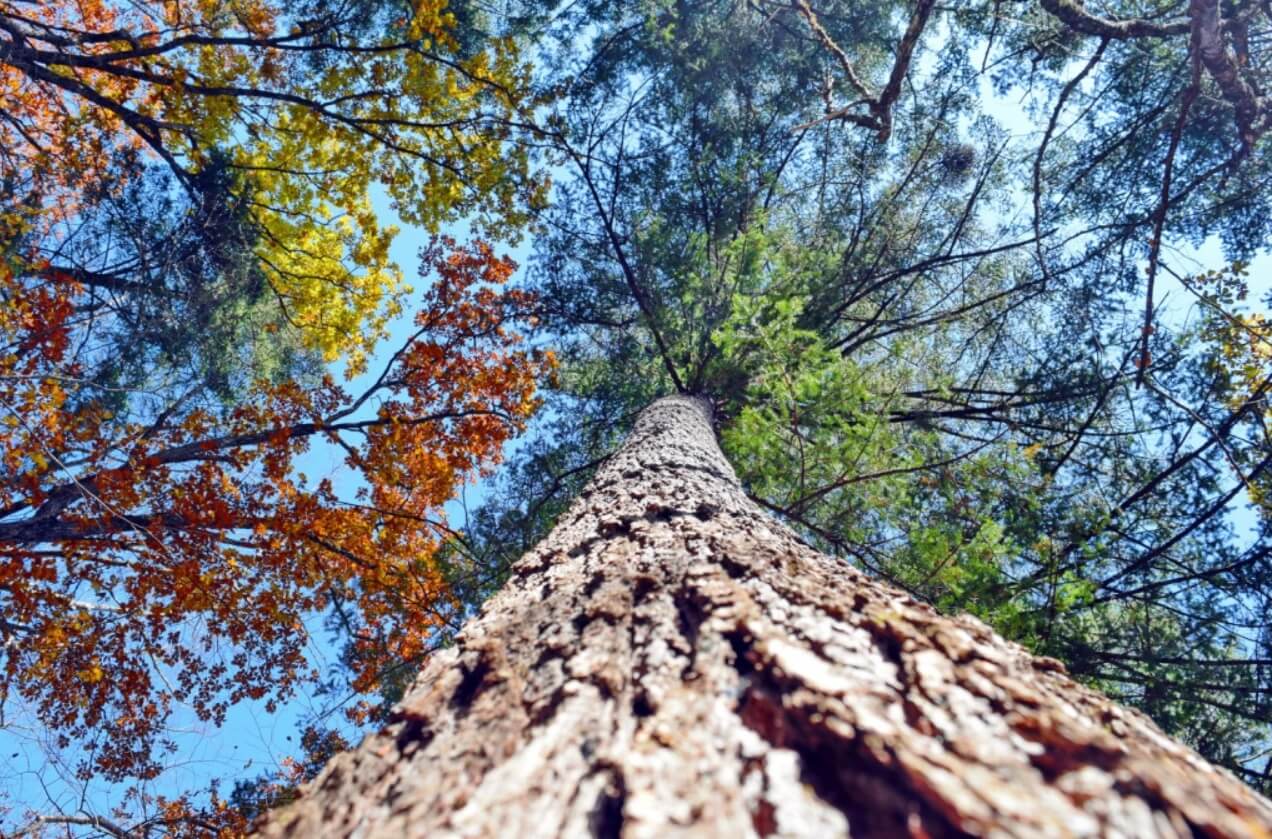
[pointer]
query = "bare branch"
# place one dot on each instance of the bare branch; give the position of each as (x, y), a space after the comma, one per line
(879, 105)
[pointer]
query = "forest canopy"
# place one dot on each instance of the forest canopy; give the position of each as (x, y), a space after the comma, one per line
(979, 293)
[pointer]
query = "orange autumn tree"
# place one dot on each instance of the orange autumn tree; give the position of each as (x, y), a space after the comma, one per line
(171, 554)
(187, 243)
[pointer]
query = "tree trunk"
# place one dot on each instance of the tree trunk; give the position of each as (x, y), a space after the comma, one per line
(670, 661)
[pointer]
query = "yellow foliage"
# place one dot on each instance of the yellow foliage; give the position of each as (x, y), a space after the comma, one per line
(308, 135)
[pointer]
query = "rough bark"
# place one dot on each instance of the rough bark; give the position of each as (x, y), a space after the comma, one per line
(672, 662)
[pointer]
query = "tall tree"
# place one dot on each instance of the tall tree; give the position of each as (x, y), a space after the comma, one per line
(925, 335)
(672, 661)
(927, 343)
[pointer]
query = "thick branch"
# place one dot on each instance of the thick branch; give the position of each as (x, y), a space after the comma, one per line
(1076, 17)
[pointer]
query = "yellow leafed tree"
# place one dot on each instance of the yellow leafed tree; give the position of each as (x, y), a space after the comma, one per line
(309, 106)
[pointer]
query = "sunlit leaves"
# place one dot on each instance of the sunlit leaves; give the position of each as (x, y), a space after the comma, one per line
(311, 106)
(192, 204)
(1238, 351)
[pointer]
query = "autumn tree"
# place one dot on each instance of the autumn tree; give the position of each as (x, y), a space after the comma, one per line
(187, 244)
(280, 119)
(135, 549)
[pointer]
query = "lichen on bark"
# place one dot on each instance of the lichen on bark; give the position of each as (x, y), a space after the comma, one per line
(670, 661)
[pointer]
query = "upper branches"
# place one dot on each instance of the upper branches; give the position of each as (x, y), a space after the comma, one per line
(1075, 16)
(879, 105)
(308, 112)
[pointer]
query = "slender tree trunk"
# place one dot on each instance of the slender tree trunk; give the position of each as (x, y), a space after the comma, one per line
(672, 662)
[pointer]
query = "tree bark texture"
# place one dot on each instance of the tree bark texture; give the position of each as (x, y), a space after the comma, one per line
(672, 662)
